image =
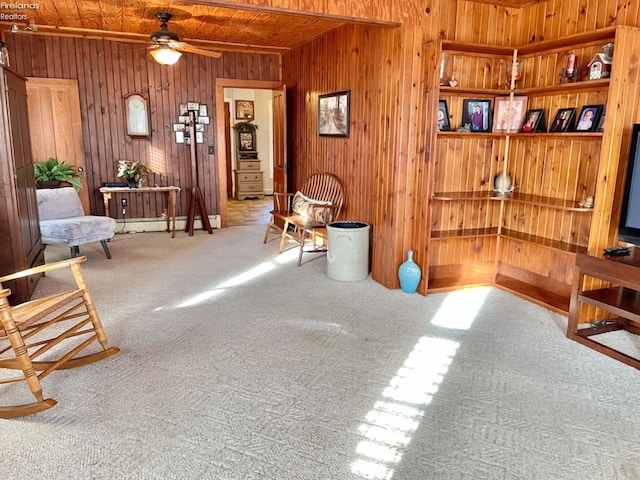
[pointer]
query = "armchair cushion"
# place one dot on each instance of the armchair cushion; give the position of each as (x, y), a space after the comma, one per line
(311, 208)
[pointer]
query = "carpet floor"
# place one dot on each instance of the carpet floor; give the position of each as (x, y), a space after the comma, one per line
(237, 364)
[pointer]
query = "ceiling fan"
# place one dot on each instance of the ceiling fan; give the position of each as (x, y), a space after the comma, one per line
(168, 48)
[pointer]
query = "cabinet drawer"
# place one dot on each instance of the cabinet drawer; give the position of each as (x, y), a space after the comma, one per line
(250, 177)
(250, 187)
(248, 165)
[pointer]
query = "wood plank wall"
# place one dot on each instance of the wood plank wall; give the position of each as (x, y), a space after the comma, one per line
(107, 71)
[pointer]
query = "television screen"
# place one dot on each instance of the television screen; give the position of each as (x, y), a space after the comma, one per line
(629, 228)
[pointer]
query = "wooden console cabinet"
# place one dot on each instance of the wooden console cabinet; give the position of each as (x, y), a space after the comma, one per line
(622, 299)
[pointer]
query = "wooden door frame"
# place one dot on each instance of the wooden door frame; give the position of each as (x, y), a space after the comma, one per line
(221, 84)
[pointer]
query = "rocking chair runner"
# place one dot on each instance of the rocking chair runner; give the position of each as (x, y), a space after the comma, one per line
(24, 334)
(303, 216)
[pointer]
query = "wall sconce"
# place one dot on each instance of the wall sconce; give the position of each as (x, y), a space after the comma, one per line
(32, 27)
(165, 55)
(14, 28)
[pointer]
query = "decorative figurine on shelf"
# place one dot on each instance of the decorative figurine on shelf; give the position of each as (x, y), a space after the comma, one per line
(600, 65)
(586, 203)
(502, 184)
(514, 69)
(465, 128)
(570, 70)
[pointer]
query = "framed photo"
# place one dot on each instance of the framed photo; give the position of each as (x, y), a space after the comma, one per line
(193, 106)
(563, 121)
(443, 117)
(199, 127)
(244, 110)
(589, 118)
(137, 112)
(333, 114)
(182, 109)
(509, 113)
(179, 137)
(199, 137)
(183, 119)
(601, 121)
(534, 122)
(202, 111)
(178, 127)
(203, 120)
(477, 114)
(245, 141)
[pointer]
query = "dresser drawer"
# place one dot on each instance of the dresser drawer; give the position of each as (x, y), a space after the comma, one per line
(250, 188)
(248, 164)
(255, 177)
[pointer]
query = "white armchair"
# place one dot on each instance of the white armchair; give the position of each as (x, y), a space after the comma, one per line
(63, 222)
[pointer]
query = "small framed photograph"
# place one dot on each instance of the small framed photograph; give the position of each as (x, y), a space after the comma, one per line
(199, 127)
(245, 141)
(601, 121)
(180, 137)
(203, 120)
(563, 121)
(443, 117)
(202, 112)
(183, 119)
(182, 109)
(589, 118)
(244, 110)
(333, 114)
(199, 137)
(477, 114)
(137, 110)
(509, 113)
(178, 127)
(534, 122)
(193, 106)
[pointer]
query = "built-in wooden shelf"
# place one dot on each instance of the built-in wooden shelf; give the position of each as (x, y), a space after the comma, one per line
(540, 296)
(576, 135)
(571, 87)
(544, 242)
(465, 232)
(537, 200)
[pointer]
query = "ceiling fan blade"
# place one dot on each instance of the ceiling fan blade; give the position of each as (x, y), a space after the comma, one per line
(185, 47)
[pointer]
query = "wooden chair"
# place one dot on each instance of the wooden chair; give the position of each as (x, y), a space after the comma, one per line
(25, 335)
(303, 216)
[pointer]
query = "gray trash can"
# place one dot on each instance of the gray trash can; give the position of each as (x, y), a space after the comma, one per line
(348, 251)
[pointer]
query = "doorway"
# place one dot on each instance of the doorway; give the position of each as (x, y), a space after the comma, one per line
(245, 209)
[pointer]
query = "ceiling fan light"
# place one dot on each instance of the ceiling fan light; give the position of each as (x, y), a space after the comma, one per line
(165, 55)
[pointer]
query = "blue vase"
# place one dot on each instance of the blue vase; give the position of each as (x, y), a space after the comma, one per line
(409, 275)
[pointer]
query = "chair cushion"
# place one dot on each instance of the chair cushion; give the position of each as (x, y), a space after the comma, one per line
(56, 203)
(304, 206)
(76, 231)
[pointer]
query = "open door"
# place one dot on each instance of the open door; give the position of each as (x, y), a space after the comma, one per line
(280, 165)
(55, 102)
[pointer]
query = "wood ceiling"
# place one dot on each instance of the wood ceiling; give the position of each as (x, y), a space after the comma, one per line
(249, 28)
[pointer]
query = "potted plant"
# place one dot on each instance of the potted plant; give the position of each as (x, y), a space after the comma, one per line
(51, 173)
(134, 172)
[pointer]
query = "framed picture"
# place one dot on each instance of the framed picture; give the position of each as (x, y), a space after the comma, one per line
(245, 141)
(202, 112)
(443, 117)
(178, 127)
(182, 109)
(477, 114)
(563, 121)
(333, 114)
(183, 119)
(534, 122)
(179, 137)
(203, 120)
(601, 121)
(244, 110)
(193, 106)
(199, 127)
(199, 137)
(509, 113)
(589, 118)
(137, 112)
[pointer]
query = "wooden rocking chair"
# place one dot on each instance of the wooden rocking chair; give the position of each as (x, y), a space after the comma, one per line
(303, 216)
(25, 334)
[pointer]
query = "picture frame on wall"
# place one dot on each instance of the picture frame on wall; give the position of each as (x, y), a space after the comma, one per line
(244, 110)
(202, 111)
(509, 113)
(203, 120)
(137, 116)
(183, 119)
(476, 112)
(444, 125)
(199, 137)
(179, 127)
(534, 122)
(589, 118)
(193, 106)
(563, 121)
(333, 114)
(182, 109)
(179, 136)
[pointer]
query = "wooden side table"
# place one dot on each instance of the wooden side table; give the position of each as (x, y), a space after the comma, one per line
(622, 299)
